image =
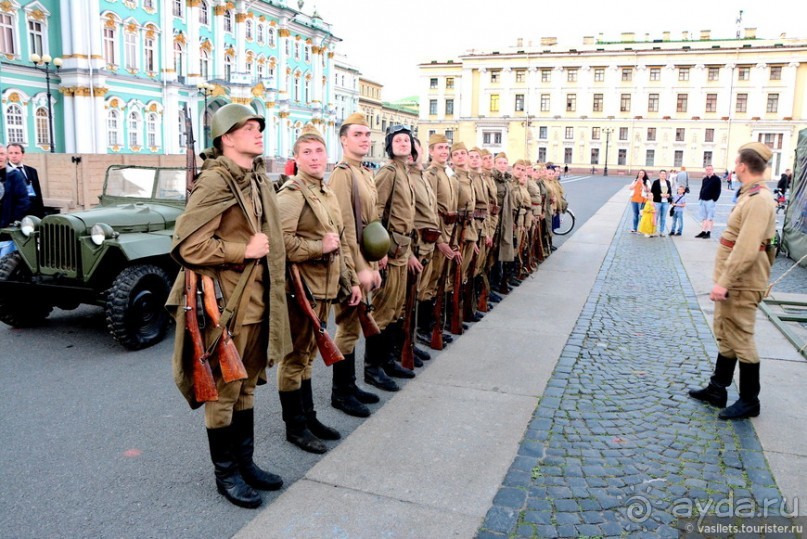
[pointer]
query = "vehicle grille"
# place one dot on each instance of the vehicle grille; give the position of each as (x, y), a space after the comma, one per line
(58, 248)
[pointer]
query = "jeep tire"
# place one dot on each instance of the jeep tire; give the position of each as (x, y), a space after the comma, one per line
(135, 307)
(16, 311)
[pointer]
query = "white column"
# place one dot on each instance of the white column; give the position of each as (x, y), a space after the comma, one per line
(192, 49)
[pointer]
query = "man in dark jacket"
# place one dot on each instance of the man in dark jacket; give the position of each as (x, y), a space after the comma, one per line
(13, 199)
(710, 192)
(16, 152)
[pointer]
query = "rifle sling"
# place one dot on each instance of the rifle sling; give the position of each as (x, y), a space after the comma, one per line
(357, 208)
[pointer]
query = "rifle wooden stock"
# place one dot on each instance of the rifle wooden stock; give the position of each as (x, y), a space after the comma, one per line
(204, 386)
(482, 301)
(232, 368)
(468, 303)
(368, 324)
(327, 348)
(440, 298)
(408, 347)
(456, 307)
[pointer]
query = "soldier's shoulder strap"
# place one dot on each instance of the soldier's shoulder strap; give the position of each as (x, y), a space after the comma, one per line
(755, 190)
(292, 184)
(343, 165)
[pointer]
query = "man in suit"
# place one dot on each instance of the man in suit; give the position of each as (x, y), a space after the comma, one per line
(13, 199)
(16, 152)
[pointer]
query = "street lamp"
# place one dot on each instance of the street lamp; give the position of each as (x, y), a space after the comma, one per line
(42, 63)
(206, 89)
(607, 131)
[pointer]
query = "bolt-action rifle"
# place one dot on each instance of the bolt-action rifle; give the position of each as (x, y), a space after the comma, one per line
(456, 298)
(440, 298)
(300, 292)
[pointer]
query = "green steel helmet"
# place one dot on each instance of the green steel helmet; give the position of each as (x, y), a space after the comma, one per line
(374, 241)
(233, 116)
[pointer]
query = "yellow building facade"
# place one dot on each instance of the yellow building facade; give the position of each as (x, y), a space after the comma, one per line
(625, 104)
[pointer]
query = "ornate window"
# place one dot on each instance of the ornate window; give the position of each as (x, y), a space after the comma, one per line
(15, 124)
(228, 21)
(8, 34)
(36, 36)
(151, 129)
(204, 13)
(130, 46)
(228, 67)
(42, 127)
(179, 59)
(112, 128)
(248, 30)
(271, 36)
(177, 7)
(134, 129)
(204, 64)
(260, 33)
(110, 38)
(149, 50)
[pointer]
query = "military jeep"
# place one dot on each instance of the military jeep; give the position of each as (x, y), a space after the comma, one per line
(115, 255)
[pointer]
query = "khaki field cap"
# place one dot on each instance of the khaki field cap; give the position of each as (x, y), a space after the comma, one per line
(437, 139)
(231, 117)
(308, 133)
(458, 146)
(475, 149)
(501, 155)
(760, 149)
(356, 118)
(483, 152)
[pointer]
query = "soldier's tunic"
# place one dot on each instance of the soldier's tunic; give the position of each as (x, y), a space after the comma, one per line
(744, 270)
(445, 190)
(481, 215)
(504, 197)
(535, 200)
(211, 238)
(396, 206)
(492, 222)
(466, 202)
(426, 221)
(522, 209)
(546, 205)
(309, 210)
(341, 183)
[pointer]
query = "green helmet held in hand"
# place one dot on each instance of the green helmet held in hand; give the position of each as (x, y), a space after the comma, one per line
(233, 116)
(374, 241)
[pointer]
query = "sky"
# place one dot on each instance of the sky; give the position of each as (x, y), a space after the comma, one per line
(386, 39)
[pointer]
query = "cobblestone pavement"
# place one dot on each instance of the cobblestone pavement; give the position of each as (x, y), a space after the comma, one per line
(615, 446)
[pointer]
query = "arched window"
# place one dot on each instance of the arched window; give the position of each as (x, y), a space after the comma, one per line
(181, 129)
(42, 127)
(151, 130)
(307, 90)
(297, 87)
(204, 64)
(179, 59)
(112, 128)
(248, 30)
(260, 33)
(228, 21)
(204, 13)
(271, 36)
(110, 52)
(228, 67)
(15, 124)
(134, 129)
(248, 65)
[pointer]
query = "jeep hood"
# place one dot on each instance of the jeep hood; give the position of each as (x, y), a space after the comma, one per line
(123, 217)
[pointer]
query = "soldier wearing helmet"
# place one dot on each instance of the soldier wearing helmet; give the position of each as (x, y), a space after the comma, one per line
(230, 221)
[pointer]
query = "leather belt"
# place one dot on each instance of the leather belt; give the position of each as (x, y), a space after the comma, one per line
(730, 244)
(233, 267)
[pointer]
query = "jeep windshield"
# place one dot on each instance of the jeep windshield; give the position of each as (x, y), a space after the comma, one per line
(131, 182)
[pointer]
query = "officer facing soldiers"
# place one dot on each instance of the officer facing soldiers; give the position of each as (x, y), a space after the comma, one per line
(354, 187)
(218, 237)
(315, 242)
(445, 190)
(396, 207)
(742, 270)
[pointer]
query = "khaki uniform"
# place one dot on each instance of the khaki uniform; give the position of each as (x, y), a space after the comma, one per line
(445, 190)
(546, 206)
(536, 201)
(466, 202)
(492, 222)
(340, 183)
(211, 238)
(504, 197)
(744, 270)
(426, 219)
(481, 215)
(522, 208)
(309, 210)
(396, 206)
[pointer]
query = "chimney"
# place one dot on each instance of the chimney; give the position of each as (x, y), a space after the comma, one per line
(628, 36)
(750, 33)
(588, 40)
(549, 41)
(519, 42)
(706, 35)
(665, 36)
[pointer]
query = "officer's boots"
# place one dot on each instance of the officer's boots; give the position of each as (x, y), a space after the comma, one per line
(376, 350)
(229, 482)
(715, 393)
(392, 366)
(343, 396)
(748, 403)
(317, 429)
(244, 436)
(297, 431)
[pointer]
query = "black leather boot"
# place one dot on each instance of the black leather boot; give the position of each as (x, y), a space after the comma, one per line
(229, 482)
(244, 430)
(376, 350)
(317, 429)
(342, 395)
(715, 393)
(748, 403)
(392, 366)
(296, 429)
(422, 355)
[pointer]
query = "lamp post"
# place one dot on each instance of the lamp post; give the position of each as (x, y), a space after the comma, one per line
(43, 63)
(206, 89)
(608, 131)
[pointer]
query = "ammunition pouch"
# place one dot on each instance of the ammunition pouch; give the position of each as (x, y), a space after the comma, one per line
(480, 215)
(494, 210)
(449, 217)
(398, 244)
(428, 235)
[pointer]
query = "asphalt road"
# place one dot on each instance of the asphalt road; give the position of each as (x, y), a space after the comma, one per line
(97, 441)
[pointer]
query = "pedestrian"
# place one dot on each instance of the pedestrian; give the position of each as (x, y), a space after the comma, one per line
(637, 197)
(742, 269)
(16, 152)
(709, 194)
(662, 194)
(647, 225)
(14, 200)
(678, 204)
(565, 170)
(728, 176)
(682, 178)
(354, 187)
(783, 185)
(231, 225)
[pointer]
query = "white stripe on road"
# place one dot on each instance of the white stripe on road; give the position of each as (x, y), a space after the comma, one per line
(576, 179)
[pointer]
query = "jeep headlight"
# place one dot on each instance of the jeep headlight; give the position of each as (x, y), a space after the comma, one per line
(101, 232)
(29, 225)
